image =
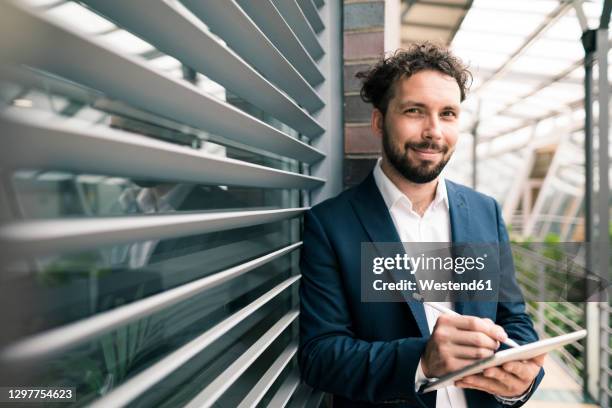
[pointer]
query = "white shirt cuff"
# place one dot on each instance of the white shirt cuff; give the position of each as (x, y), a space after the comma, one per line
(420, 378)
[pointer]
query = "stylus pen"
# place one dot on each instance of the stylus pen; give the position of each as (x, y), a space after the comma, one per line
(509, 342)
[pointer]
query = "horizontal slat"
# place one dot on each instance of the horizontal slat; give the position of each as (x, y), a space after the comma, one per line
(28, 238)
(209, 395)
(301, 396)
(38, 81)
(250, 246)
(312, 14)
(270, 21)
(147, 378)
(129, 79)
(286, 389)
(231, 23)
(191, 42)
(59, 339)
(50, 142)
(296, 19)
(267, 379)
(315, 399)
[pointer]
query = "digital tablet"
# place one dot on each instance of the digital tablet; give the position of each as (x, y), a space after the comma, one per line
(524, 352)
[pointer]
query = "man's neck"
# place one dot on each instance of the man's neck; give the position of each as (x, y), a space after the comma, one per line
(420, 195)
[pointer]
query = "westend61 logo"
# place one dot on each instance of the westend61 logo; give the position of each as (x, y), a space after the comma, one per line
(436, 271)
(482, 272)
(413, 264)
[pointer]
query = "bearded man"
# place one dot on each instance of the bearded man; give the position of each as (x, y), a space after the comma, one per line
(380, 354)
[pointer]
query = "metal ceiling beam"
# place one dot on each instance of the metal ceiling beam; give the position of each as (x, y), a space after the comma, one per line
(443, 4)
(507, 34)
(545, 84)
(582, 20)
(527, 76)
(542, 86)
(572, 106)
(468, 5)
(452, 30)
(409, 4)
(511, 149)
(550, 20)
(427, 25)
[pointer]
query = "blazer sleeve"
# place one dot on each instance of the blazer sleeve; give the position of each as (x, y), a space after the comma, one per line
(511, 315)
(330, 356)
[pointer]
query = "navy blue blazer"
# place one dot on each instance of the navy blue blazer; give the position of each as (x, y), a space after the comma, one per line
(366, 354)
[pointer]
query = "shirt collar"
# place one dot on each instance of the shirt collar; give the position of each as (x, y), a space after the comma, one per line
(392, 195)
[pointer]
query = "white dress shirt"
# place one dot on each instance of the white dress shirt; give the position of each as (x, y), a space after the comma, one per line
(433, 226)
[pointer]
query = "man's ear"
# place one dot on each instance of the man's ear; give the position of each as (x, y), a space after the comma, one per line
(377, 122)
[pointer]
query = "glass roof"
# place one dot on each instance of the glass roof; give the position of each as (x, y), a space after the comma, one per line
(526, 59)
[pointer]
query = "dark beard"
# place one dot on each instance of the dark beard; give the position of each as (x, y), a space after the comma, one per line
(414, 173)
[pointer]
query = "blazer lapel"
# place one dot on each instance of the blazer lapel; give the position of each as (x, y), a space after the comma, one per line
(461, 235)
(373, 213)
(459, 214)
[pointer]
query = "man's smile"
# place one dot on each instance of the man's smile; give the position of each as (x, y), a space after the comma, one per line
(426, 154)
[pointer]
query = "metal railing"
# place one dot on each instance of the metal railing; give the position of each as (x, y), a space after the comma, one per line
(540, 280)
(605, 350)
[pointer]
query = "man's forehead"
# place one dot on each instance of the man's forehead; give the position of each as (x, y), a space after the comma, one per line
(427, 102)
(428, 86)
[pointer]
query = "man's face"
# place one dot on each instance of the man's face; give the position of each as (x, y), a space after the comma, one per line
(421, 126)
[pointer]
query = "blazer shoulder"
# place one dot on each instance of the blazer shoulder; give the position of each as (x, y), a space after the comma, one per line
(472, 195)
(334, 205)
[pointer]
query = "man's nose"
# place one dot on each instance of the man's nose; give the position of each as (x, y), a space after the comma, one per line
(432, 128)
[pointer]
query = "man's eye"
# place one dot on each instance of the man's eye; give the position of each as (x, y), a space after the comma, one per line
(412, 110)
(449, 113)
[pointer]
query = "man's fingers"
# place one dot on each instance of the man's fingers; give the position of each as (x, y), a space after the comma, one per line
(474, 339)
(482, 383)
(539, 360)
(525, 369)
(493, 385)
(472, 323)
(521, 370)
(472, 353)
(463, 384)
(501, 375)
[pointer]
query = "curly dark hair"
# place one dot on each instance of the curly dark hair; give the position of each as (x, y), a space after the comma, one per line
(378, 82)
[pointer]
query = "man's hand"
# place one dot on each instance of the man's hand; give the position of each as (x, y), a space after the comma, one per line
(511, 379)
(458, 341)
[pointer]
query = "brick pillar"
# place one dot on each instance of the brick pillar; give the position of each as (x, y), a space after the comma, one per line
(371, 27)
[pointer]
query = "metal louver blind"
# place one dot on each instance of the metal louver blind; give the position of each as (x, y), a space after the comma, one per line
(157, 157)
